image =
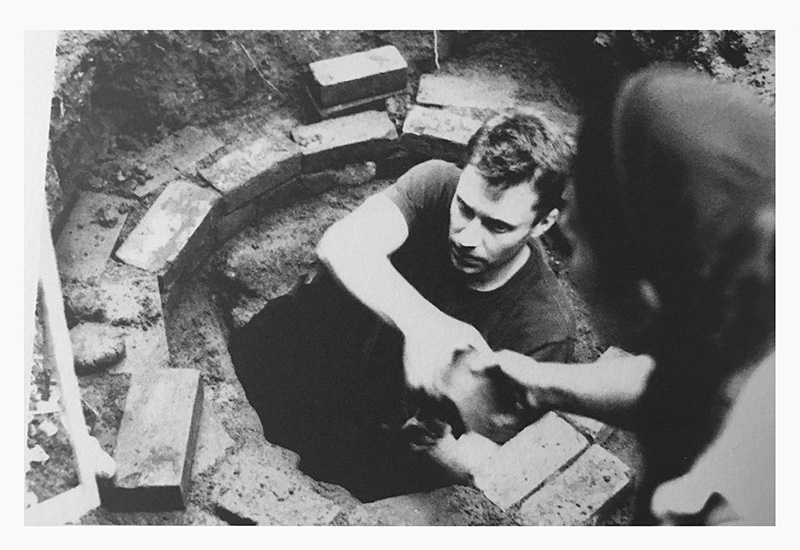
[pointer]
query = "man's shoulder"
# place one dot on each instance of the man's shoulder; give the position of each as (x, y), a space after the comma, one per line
(432, 172)
(543, 299)
(428, 185)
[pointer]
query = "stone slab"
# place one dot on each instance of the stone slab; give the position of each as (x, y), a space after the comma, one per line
(358, 75)
(480, 91)
(157, 440)
(581, 493)
(251, 491)
(453, 505)
(173, 229)
(526, 461)
(176, 153)
(437, 133)
(90, 234)
(252, 170)
(362, 136)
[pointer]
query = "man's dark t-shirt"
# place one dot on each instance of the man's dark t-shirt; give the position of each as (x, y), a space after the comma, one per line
(325, 374)
(526, 315)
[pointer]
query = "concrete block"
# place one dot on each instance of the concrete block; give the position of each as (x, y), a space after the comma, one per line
(339, 141)
(255, 169)
(359, 75)
(250, 490)
(453, 505)
(175, 154)
(475, 90)
(157, 440)
(437, 133)
(90, 234)
(581, 493)
(171, 232)
(526, 461)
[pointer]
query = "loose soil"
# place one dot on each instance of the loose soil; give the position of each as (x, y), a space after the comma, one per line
(119, 92)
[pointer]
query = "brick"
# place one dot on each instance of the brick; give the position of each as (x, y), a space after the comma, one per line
(581, 494)
(359, 75)
(212, 440)
(437, 133)
(252, 170)
(229, 225)
(174, 229)
(453, 505)
(526, 461)
(176, 153)
(353, 138)
(90, 234)
(476, 90)
(594, 430)
(157, 440)
(250, 489)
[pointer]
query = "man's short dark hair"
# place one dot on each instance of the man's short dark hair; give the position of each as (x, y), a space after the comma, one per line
(523, 146)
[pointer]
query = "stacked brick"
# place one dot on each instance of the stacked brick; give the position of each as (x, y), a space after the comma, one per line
(552, 473)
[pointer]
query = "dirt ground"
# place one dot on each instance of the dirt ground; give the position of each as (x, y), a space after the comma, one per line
(119, 92)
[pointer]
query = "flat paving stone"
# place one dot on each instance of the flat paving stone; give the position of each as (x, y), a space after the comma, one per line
(175, 154)
(344, 140)
(173, 229)
(581, 493)
(437, 133)
(262, 165)
(252, 490)
(157, 440)
(88, 238)
(479, 91)
(358, 75)
(526, 461)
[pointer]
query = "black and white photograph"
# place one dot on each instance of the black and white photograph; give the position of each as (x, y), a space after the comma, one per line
(348, 278)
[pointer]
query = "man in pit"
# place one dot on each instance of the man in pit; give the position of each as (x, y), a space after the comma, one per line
(441, 264)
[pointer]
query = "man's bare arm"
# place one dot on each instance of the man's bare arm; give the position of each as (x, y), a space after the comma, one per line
(608, 390)
(356, 250)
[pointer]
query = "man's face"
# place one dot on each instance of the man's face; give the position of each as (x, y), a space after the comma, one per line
(488, 227)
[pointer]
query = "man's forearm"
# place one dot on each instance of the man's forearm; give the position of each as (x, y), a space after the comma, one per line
(607, 390)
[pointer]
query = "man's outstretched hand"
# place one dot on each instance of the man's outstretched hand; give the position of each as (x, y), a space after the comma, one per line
(430, 349)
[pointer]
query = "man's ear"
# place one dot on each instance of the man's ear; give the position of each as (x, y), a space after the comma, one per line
(545, 223)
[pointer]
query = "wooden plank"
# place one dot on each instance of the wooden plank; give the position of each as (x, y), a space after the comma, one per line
(71, 504)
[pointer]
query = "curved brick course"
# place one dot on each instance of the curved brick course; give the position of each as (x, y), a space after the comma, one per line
(188, 221)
